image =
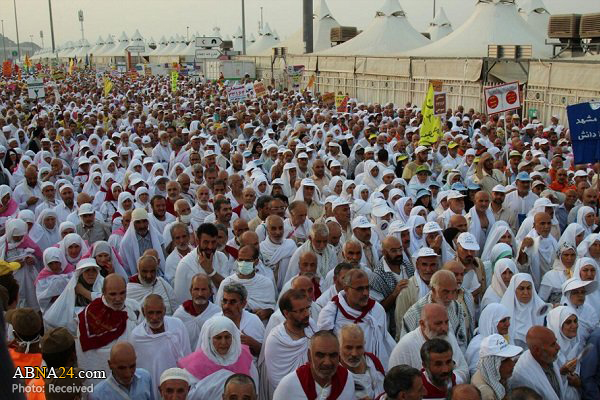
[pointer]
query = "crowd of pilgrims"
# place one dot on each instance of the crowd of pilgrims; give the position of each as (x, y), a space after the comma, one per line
(278, 248)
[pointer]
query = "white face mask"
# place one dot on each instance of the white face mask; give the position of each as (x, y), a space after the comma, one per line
(186, 219)
(245, 267)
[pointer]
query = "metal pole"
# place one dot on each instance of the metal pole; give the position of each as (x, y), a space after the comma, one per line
(243, 27)
(261, 19)
(17, 28)
(307, 23)
(187, 33)
(51, 24)
(3, 41)
(433, 8)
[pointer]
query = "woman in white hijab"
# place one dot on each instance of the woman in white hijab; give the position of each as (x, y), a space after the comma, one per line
(404, 207)
(551, 285)
(92, 186)
(261, 186)
(372, 175)
(219, 354)
(84, 286)
(348, 189)
(419, 210)
(417, 239)
(335, 186)
(525, 306)
(574, 234)
(585, 218)
(53, 278)
(586, 269)
(575, 292)
(73, 248)
(504, 270)
(361, 192)
(590, 247)
(563, 321)
(124, 204)
(142, 198)
(110, 205)
(66, 228)
(48, 221)
(494, 319)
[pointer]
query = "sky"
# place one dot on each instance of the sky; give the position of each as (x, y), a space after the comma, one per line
(155, 18)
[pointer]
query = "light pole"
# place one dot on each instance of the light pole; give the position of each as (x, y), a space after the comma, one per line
(17, 27)
(51, 25)
(3, 41)
(42, 38)
(243, 28)
(80, 15)
(187, 33)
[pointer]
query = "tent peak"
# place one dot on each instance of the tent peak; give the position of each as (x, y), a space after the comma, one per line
(391, 8)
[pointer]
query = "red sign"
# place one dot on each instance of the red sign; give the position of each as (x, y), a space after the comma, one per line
(493, 102)
(511, 97)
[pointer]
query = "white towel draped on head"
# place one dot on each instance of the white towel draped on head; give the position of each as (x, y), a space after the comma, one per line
(592, 298)
(541, 255)
(475, 225)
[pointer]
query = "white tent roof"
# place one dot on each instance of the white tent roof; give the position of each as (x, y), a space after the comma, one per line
(99, 44)
(160, 46)
(440, 26)
(109, 44)
(536, 14)
(181, 46)
(264, 43)
(168, 50)
(323, 21)
(119, 48)
(492, 22)
(66, 50)
(237, 40)
(389, 32)
(84, 50)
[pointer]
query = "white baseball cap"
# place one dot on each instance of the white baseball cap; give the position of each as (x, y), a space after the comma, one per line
(453, 194)
(431, 227)
(381, 210)
(85, 209)
(581, 173)
(361, 222)
(544, 202)
(425, 252)
(496, 345)
(499, 189)
(467, 241)
(340, 201)
(175, 374)
(420, 149)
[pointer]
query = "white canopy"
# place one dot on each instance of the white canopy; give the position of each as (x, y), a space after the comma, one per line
(181, 46)
(108, 46)
(492, 22)
(536, 14)
(160, 46)
(237, 40)
(390, 32)
(265, 42)
(118, 50)
(440, 26)
(99, 44)
(323, 21)
(168, 50)
(83, 50)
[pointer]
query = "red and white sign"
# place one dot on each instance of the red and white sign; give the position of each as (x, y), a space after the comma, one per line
(502, 98)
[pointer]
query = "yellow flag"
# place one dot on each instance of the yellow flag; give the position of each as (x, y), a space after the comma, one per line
(71, 66)
(107, 86)
(174, 78)
(431, 129)
(27, 61)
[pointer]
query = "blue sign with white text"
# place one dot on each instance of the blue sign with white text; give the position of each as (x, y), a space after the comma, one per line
(584, 124)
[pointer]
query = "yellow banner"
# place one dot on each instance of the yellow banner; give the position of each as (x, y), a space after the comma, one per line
(174, 78)
(431, 129)
(108, 85)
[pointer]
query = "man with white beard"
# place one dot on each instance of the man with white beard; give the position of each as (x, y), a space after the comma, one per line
(538, 249)
(195, 312)
(105, 321)
(317, 244)
(432, 325)
(180, 237)
(261, 293)
(202, 209)
(159, 341)
(276, 250)
(162, 151)
(146, 282)
(286, 346)
(183, 215)
(365, 367)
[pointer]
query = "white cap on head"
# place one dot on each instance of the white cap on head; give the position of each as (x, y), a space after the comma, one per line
(175, 374)
(361, 222)
(85, 209)
(499, 189)
(139, 214)
(467, 241)
(496, 345)
(425, 252)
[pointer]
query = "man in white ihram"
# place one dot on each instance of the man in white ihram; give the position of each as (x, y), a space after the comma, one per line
(159, 341)
(147, 282)
(353, 306)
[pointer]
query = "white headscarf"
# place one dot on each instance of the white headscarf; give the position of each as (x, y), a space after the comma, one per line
(569, 347)
(497, 286)
(368, 179)
(102, 247)
(523, 316)
(498, 230)
(138, 202)
(70, 239)
(213, 327)
(14, 227)
(50, 237)
(588, 317)
(581, 214)
(416, 242)
(288, 187)
(90, 187)
(400, 209)
(583, 250)
(594, 297)
(570, 234)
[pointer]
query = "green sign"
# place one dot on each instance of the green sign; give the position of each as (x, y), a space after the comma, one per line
(532, 113)
(14, 53)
